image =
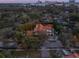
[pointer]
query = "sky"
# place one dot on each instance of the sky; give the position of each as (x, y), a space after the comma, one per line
(28, 1)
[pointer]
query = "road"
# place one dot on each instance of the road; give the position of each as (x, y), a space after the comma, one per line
(51, 44)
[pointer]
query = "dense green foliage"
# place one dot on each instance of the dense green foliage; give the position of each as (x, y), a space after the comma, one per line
(74, 17)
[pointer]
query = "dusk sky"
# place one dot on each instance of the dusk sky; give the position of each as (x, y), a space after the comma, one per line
(26, 1)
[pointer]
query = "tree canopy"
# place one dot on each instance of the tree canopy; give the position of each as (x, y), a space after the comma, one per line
(74, 17)
(26, 26)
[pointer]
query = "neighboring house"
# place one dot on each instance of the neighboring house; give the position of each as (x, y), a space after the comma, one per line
(74, 55)
(43, 27)
(70, 54)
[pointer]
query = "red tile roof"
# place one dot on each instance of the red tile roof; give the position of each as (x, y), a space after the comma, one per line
(43, 27)
(74, 55)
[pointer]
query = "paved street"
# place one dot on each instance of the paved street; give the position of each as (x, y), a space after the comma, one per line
(51, 44)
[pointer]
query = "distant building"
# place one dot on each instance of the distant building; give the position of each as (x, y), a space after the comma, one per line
(39, 1)
(72, 1)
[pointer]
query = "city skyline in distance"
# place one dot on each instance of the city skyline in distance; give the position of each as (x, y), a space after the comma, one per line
(31, 1)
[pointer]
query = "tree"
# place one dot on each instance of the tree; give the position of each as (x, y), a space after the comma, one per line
(20, 38)
(33, 42)
(34, 15)
(19, 35)
(74, 17)
(2, 55)
(25, 27)
(57, 26)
